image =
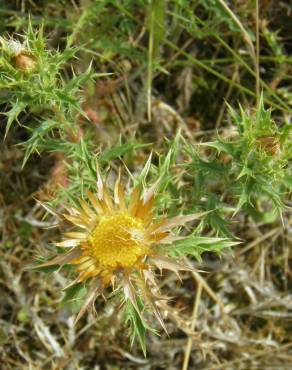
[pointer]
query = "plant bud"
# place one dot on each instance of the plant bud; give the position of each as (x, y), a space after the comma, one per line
(269, 144)
(24, 62)
(21, 58)
(125, 65)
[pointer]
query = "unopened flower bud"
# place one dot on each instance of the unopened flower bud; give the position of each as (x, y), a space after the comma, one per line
(21, 58)
(24, 62)
(125, 65)
(269, 144)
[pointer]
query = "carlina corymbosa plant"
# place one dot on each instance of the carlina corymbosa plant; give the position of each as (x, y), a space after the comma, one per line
(119, 243)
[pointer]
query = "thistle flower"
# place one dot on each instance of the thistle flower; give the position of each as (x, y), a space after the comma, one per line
(118, 244)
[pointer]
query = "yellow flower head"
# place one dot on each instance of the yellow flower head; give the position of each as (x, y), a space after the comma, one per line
(118, 242)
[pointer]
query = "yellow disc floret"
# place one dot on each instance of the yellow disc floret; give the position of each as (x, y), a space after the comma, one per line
(118, 240)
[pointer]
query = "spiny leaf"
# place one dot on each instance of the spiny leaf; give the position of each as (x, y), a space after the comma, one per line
(137, 326)
(196, 245)
(13, 114)
(119, 150)
(74, 297)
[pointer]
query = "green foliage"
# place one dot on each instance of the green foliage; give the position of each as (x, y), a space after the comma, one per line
(137, 326)
(119, 151)
(54, 102)
(196, 245)
(74, 297)
(45, 269)
(254, 166)
(156, 24)
(219, 15)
